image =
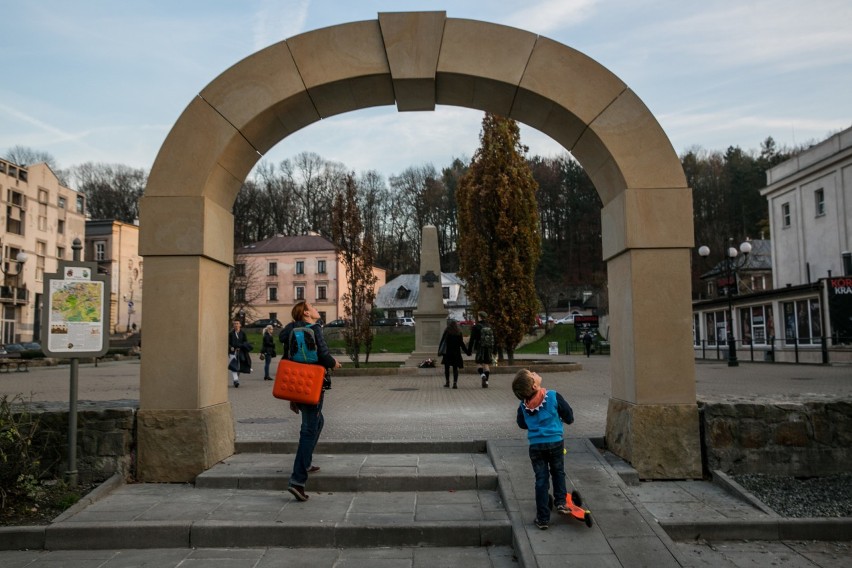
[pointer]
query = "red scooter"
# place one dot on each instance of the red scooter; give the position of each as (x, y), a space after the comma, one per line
(574, 504)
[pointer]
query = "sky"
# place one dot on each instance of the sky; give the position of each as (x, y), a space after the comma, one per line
(105, 80)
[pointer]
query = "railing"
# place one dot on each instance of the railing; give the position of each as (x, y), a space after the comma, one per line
(796, 349)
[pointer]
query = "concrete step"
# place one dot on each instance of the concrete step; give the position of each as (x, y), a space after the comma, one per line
(355, 472)
(177, 516)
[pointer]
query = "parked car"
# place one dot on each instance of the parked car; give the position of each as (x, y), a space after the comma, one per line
(468, 323)
(261, 323)
(337, 323)
(408, 322)
(387, 322)
(567, 319)
(32, 346)
(14, 348)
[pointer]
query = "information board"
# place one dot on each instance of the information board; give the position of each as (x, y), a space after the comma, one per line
(75, 318)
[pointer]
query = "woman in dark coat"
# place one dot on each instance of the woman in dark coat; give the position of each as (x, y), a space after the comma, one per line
(238, 353)
(268, 351)
(453, 345)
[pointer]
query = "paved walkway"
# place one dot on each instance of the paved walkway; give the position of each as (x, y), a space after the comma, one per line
(415, 407)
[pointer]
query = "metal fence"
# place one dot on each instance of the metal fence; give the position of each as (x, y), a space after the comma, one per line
(784, 350)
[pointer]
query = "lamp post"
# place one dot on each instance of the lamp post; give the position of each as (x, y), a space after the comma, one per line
(730, 267)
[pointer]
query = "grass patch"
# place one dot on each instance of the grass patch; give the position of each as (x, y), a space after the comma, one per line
(563, 334)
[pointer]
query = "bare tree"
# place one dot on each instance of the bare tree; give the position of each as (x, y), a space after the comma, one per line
(112, 190)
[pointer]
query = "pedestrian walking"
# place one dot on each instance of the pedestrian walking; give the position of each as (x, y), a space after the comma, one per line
(238, 353)
(451, 347)
(267, 351)
(482, 343)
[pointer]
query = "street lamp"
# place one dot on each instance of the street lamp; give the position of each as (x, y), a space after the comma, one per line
(20, 259)
(730, 267)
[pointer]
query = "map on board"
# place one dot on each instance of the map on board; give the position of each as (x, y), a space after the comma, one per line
(76, 302)
(77, 312)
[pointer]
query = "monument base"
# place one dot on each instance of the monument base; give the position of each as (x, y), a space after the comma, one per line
(661, 441)
(177, 445)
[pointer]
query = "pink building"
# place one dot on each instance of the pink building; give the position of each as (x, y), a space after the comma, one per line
(272, 275)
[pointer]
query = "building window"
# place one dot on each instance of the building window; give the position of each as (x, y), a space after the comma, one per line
(240, 295)
(14, 220)
(42, 223)
(60, 253)
(273, 294)
(321, 293)
(819, 202)
(445, 292)
(717, 327)
(60, 227)
(100, 251)
(696, 334)
(402, 293)
(785, 214)
(321, 315)
(61, 202)
(80, 206)
(273, 269)
(16, 198)
(802, 322)
(300, 267)
(240, 269)
(300, 293)
(42, 195)
(320, 267)
(757, 325)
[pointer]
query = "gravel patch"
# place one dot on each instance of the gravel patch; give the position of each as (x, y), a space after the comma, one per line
(829, 496)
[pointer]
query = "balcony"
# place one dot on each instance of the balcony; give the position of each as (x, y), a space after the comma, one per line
(13, 295)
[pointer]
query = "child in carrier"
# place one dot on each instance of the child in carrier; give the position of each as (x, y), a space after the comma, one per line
(542, 413)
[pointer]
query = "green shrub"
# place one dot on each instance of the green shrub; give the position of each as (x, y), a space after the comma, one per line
(20, 462)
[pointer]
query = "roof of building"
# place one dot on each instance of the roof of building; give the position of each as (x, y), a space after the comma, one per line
(759, 259)
(289, 243)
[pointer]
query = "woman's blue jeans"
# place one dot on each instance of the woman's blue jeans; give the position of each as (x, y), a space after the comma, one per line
(312, 423)
(548, 463)
(266, 361)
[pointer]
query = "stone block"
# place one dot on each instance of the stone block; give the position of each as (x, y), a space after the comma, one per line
(752, 434)
(660, 441)
(412, 43)
(792, 434)
(344, 67)
(481, 65)
(176, 445)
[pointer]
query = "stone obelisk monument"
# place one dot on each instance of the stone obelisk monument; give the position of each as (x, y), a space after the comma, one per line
(430, 316)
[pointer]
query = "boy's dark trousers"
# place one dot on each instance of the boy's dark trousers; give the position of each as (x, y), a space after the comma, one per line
(548, 463)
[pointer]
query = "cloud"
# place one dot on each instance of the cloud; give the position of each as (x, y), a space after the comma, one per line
(549, 15)
(276, 20)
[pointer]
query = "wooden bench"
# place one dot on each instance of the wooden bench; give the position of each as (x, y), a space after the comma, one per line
(9, 360)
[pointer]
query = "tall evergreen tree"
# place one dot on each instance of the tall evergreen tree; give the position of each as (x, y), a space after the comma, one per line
(499, 235)
(356, 252)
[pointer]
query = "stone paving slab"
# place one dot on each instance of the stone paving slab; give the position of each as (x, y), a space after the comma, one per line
(356, 472)
(399, 557)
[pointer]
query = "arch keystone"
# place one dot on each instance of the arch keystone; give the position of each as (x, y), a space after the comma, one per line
(413, 41)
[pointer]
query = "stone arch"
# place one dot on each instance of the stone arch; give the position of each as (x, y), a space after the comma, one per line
(415, 60)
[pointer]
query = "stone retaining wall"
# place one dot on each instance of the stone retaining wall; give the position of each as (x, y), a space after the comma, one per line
(781, 437)
(106, 438)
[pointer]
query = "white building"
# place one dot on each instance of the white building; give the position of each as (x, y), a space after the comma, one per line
(807, 317)
(398, 298)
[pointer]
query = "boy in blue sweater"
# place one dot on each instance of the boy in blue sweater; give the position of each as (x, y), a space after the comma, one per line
(542, 413)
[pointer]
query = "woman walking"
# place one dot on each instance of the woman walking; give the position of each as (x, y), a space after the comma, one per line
(305, 315)
(453, 345)
(267, 351)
